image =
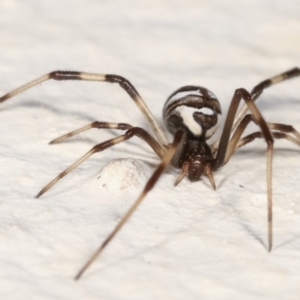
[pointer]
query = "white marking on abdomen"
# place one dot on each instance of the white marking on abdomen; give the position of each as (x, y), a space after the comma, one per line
(206, 111)
(186, 113)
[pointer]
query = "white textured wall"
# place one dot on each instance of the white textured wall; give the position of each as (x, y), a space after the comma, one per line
(188, 242)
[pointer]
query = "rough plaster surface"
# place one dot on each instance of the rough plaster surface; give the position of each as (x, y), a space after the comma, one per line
(188, 242)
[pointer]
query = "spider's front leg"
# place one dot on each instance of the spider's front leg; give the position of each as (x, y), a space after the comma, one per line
(111, 78)
(223, 146)
(149, 185)
(259, 88)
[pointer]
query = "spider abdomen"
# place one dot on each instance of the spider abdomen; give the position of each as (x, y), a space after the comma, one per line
(194, 109)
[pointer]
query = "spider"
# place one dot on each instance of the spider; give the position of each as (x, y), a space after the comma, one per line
(191, 114)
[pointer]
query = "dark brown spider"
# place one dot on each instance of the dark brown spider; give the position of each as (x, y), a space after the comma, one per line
(191, 115)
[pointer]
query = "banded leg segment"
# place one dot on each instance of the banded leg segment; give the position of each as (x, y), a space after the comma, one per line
(236, 141)
(281, 133)
(222, 150)
(236, 137)
(257, 118)
(96, 124)
(139, 132)
(123, 82)
(134, 131)
(277, 135)
(149, 185)
(259, 88)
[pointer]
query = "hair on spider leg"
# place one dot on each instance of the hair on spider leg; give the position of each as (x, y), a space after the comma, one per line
(191, 115)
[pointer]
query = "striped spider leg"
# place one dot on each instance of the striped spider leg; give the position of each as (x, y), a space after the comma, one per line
(268, 132)
(191, 115)
(256, 92)
(123, 82)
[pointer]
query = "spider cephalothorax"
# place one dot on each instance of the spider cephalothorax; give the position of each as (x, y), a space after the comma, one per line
(191, 115)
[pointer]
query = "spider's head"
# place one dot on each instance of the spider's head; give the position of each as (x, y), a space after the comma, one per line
(199, 165)
(195, 170)
(198, 162)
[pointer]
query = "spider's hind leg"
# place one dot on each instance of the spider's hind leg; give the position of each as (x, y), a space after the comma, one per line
(266, 132)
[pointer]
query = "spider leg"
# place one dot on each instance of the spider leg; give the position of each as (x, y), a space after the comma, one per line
(277, 135)
(236, 141)
(280, 134)
(95, 124)
(236, 137)
(220, 157)
(123, 82)
(133, 131)
(149, 185)
(256, 92)
(140, 132)
(259, 88)
(284, 128)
